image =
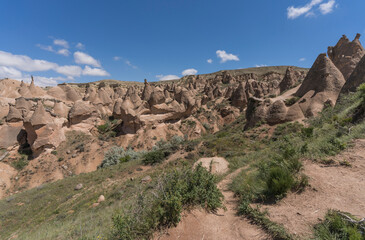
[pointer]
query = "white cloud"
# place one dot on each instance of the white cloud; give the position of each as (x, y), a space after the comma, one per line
(224, 56)
(64, 52)
(130, 64)
(190, 71)
(166, 77)
(69, 70)
(326, 8)
(294, 12)
(9, 72)
(117, 58)
(11, 64)
(260, 65)
(209, 60)
(302, 59)
(61, 42)
(25, 63)
(46, 48)
(83, 58)
(94, 72)
(80, 46)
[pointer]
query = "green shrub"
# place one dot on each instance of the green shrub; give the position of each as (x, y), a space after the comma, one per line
(291, 101)
(361, 90)
(337, 226)
(154, 157)
(104, 127)
(162, 206)
(117, 155)
(20, 163)
(279, 182)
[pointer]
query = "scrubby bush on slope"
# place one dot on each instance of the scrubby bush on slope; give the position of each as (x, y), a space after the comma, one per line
(162, 206)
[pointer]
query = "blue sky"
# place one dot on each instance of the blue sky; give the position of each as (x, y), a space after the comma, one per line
(85, 40)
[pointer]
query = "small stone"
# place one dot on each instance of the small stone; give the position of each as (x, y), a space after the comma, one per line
(64, 167)
(68, 151)
(146, 179)
(101, 199)
(74, 155)
(79, 186)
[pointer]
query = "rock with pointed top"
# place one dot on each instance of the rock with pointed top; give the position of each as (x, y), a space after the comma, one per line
(147, 91)
(290, 79)
(14, 115)
(239, 98)
(346, 54)
(43, 131)
(23, 106)
(60, 110)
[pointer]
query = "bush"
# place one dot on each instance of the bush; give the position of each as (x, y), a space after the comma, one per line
(154, 157)
(337, 226)
(291, 101)
(20, 163)
(279, 182)
(117, 155)
(361, 90)
(162, 207)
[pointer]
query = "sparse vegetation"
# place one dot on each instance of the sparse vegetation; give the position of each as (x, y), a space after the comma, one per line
(339, 225)
(20, 163)
(161, 207)
(107, 130)
(163, 149)
(291, 101)
(116, 155)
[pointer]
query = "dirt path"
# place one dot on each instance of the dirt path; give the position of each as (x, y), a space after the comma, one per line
(224, 225)
(332, 187)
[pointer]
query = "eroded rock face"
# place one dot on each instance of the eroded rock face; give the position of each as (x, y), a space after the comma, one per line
(14, 115)
(43, 131)
(346, 54)
(357, 77)
(82, 111)
(124, 109)
(290, 80)
(321, 87)
(324, 76)
(239, 98)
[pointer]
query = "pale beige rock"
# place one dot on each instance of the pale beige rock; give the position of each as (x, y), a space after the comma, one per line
(215, 165)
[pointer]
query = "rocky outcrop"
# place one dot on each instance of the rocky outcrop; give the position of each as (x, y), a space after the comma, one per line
(23, 106)
(43, 131)
(60, 110)
(82, 111)
(346, 54)
(124, 109)
(357, 77)
(239, 98)
(290, 80)
(14, 115)
(324, 76)
(321, 87)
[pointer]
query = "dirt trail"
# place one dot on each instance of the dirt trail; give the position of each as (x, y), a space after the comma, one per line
(198, 224)
(332, 187)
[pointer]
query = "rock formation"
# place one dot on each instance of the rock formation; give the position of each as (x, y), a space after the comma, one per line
(346, 54)
(357, 77)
